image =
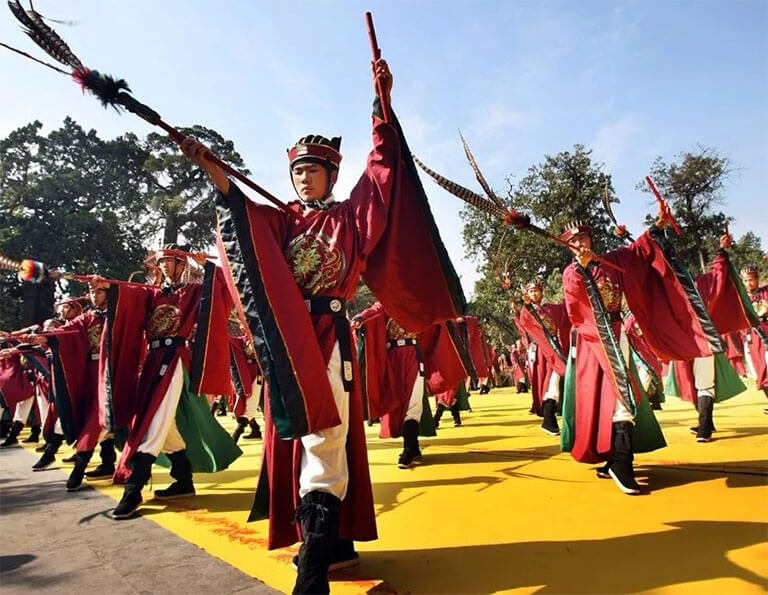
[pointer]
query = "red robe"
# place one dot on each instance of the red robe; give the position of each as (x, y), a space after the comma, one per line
(76, 347)
(735, 352)
(384, 232)
(550, 329)
(670, 325)
(756, 343)
(245, 369)
(15, 382)
(194, 308)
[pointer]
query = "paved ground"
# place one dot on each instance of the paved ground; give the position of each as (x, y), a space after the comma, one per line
(496, 507)
(54, 542)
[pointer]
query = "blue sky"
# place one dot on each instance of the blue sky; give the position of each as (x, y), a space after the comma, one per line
(631, 80)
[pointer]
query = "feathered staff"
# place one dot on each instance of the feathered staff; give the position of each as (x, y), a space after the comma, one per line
(495, 206)
(34, 271)
(111, 92)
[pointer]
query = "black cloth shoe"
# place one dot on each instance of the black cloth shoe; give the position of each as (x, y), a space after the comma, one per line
(549, 423)
(439, 413)
(705, 405)
(49, 453)
(34, 435)
(344, 556)
(242, 422)
(181, 471)
(255, 431)
(620, 468)
(141, 464)
(75, 480)
(456, 415)
(70, 459)
(411, 453)
(484, 389)
(42, 447)
(13, 435)
(602, 472)
(5, 427)
(318, 515)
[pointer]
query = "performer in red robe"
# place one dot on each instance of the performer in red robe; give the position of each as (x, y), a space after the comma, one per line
(454, 396)
(606, 416)
(550, 330)
(75, 349)
(516, 360)
(701, 381)
(294, 273)
(757, 336)
(186, 331)
(649, 368)
(247, 381)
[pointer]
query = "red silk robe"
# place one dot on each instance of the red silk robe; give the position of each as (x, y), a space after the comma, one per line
(757, 348)
(245, 369)
(385, 233)
(665, 315)
(552, 342)
(76, 347)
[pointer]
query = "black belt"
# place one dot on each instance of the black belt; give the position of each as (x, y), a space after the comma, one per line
(401, 343)
(395, 343)
(336, 307)
(160, 342)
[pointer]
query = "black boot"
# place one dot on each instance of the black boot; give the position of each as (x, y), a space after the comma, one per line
(34, 435)
(214, 406)
(181, 471)
(255, 431)
(655, 401)
(549, 423)
(318, 515)
(456, 415)
(108, 457)
(141, 463)
(5, 427)
(411, 452)
(13, 434)
(705, 405)
(439, 413)
(222, 408)
(49, 454)
(75, 480)
(241, 423)
(70, 459)
(620, 468)
(484, 389)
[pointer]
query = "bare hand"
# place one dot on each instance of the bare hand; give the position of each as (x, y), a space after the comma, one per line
(726, 240)
(196, 152)
(585, 256)
(663, 218)
(382, 78)
(620, 231)
(355, 323)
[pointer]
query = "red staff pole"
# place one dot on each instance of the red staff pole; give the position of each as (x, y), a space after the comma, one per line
(377, 56)
(663, 204)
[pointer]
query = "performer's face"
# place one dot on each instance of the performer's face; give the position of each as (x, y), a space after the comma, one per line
(750, 282)
(535, 294)
(171, 268)
(579, 241)
(311, 180)
(98, 296)
(67, 312)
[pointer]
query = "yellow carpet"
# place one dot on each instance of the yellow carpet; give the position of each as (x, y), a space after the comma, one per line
(496, 507)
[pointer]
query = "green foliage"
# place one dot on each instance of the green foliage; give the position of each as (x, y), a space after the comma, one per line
(181, 197)
(693, 188)
(71, 200)
(563, 187)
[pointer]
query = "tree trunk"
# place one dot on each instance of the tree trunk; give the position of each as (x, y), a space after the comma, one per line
(171, 231)
(37, 303)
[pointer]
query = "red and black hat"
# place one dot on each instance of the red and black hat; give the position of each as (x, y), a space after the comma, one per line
(169, 251)
(574, 228)
(315, 148)
(72, 302)
(750, 271)
(533, 284)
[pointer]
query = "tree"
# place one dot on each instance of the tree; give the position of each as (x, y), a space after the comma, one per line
(563, 187)
(692, 186)
(71, 200)
(181, 197)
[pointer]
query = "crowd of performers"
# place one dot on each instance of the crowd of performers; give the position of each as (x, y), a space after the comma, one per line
(140, 367)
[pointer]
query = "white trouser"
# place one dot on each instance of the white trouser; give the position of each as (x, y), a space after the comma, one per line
(750, 365)
(553, 389)
(645, 377)
(416, 402)
(620, 412)
(57, 427)
(163, 435)
(324, 453)
(704, 375)
(22, 410)
(252, 402)
(42, 406)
